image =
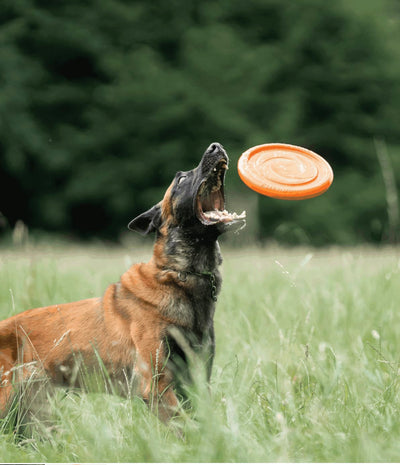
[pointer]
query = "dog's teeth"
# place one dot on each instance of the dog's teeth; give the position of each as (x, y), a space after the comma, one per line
(212, 215)
(224, 215)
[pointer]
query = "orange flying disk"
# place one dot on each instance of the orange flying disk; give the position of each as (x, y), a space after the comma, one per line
(284, 171)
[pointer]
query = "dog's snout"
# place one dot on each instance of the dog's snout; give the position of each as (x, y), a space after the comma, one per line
(213, 155)
(215, 148)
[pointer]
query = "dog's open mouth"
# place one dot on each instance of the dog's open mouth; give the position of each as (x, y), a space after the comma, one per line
(210, 200)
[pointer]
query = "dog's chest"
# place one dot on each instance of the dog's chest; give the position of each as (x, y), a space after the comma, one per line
(193, 307)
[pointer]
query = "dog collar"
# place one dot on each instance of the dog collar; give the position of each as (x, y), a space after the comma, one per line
(182, 276)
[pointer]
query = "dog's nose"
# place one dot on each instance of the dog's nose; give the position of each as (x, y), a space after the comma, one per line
(215, 148)
(213, 155)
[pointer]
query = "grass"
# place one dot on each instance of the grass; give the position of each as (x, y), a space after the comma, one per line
(307, 364)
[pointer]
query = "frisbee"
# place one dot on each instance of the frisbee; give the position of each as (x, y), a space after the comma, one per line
(284, 171)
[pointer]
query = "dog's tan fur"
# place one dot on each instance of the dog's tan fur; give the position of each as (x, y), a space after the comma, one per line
(125, 327)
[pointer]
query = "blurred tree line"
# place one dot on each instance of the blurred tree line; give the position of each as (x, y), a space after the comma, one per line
(102, 101)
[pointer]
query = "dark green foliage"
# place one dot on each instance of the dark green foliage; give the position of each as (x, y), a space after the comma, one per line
(102, 101)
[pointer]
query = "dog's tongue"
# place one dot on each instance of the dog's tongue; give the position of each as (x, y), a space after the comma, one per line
(213, 201)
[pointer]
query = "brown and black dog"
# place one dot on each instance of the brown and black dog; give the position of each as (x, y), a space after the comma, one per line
(142, 323)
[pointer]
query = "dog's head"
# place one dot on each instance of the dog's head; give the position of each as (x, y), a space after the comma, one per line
(194, 202)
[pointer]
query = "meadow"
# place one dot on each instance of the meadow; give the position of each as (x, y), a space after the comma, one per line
(306, 369)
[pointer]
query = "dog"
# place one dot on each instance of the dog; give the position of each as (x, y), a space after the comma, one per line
(145, 323)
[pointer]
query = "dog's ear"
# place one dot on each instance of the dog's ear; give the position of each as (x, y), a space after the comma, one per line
(148, 221)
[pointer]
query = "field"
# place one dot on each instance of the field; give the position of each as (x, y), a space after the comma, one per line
(307, 364)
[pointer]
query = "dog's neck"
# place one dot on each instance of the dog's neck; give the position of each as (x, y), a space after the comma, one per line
(188, 254)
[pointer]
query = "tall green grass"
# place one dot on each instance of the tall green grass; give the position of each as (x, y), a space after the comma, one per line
(307, 363)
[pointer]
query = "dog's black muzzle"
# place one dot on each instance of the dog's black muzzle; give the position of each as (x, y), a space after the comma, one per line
(213, 155)
(209, 201)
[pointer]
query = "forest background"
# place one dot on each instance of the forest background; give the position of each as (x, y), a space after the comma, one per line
(102, 101)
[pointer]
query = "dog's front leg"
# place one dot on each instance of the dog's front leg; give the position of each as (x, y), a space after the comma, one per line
(156, 389)
(156, 381)
(6, 395)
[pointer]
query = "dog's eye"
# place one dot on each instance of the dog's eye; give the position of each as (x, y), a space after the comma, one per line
(181, 179)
